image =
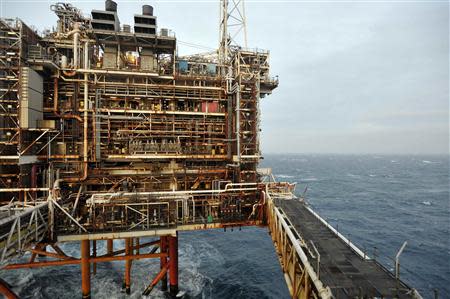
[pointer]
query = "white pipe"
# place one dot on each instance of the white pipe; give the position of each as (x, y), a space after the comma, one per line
(397, 263)
(174, 193)
(76, 37)
(193, 208)
(85, 105)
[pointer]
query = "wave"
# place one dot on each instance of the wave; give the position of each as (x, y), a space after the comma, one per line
(430, 162)
(284, 176)
(353, 175)
(312, 179)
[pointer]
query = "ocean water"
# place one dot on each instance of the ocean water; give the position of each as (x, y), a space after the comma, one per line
(378, 201)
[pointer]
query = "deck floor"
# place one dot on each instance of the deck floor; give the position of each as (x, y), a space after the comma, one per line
(346, 273)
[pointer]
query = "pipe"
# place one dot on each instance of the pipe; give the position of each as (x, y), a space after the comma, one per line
(172, 193)
(397, 262)
(70, 74)
(85, 119)
(136, 247)
(5, 190)
(160, 276)
(78, 261)
(5, 289)
(34, 180)
(55, 104)
(76, 36)
(85, 105)
(84, 177)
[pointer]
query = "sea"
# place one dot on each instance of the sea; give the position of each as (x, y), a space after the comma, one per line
(377, 201)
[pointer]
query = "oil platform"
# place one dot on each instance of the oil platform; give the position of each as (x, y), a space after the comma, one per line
(107, 133)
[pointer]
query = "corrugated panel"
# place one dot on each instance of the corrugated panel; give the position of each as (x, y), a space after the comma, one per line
(31, 98)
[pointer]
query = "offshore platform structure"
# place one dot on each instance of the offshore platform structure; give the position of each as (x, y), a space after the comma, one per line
(106, 133)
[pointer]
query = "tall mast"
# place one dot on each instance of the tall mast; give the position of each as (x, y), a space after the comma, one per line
(233, 29)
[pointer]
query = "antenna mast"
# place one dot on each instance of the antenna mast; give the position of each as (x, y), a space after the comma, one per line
(233, 28)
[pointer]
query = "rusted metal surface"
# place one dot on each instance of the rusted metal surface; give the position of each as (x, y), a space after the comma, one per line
(5, 289)
(173, 265)
(85, 269)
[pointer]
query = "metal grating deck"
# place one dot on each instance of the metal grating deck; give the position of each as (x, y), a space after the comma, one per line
(346, 273)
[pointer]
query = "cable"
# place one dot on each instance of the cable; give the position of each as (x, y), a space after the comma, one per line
(195, 45)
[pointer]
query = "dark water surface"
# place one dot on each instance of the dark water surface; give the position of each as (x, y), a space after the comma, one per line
(379, 201)
(382, 201)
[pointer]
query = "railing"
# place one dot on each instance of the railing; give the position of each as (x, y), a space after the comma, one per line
(302, 280)
(20, 227)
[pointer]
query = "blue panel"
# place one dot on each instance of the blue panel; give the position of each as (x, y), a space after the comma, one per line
(211, 69)
(182, 65)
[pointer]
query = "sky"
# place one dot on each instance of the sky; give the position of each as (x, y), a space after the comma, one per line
(355, 76)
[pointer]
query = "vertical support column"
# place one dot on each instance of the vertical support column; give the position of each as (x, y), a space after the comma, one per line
(136, 243)
(173, 265)
(109, 246)
(128, 251)
(85, 270)
(163, 261)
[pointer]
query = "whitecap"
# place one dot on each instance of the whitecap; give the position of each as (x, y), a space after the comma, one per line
(430, 162)
(426, 203)
(353, 175)
(312, 179)
(372, 175)
(284, 176)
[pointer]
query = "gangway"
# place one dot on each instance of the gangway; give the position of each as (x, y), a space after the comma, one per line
(318, 261)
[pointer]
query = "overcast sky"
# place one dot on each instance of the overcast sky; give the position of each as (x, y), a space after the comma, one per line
(355, 77)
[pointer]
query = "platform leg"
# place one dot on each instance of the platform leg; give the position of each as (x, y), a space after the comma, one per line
(85, 270)
(173, 265)
(128, 245)
(163, 262)
(109, 246)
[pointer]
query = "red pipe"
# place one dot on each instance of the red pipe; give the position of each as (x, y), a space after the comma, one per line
(173, 265)
(5, 289)
(158, 277)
